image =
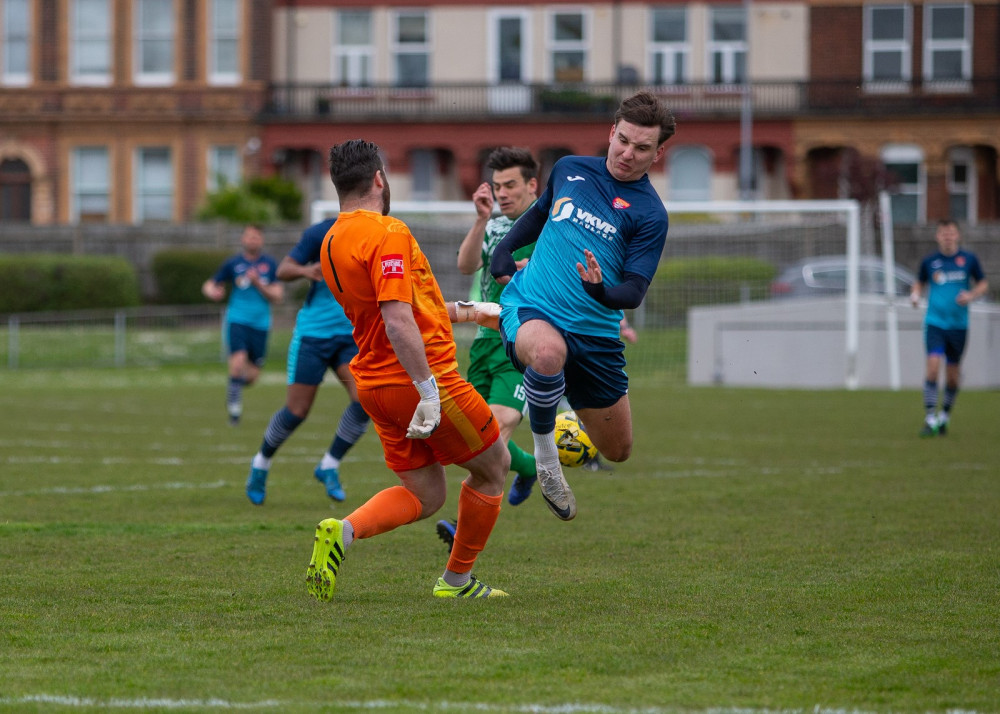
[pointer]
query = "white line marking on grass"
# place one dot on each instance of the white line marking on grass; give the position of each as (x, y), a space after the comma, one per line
(572, 708)
(169, 486)
(144, 703)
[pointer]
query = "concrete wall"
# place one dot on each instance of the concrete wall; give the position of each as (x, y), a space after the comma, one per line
(801, 343)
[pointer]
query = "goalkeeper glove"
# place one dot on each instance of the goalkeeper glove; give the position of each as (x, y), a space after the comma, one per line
(482, 313)
(427, 415)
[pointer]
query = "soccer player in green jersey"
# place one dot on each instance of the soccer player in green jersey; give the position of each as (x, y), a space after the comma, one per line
(514, 186)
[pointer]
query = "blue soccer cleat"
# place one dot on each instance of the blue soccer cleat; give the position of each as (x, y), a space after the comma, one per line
(257, 485)
(446, 532)
(331, 479)
(520, 489)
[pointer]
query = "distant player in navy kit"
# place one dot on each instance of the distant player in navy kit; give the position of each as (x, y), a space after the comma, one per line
(601, 228)
(953, 279)
(248, 318)
(322, 340)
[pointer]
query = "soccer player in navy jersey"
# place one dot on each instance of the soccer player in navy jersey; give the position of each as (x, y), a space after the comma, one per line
(953, 278)
(248, 315)
(323, 339)
(601, 228)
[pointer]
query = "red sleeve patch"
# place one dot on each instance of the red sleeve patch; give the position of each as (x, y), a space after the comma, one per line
(392, 266)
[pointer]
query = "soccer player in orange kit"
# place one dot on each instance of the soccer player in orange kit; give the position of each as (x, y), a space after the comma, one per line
(407, 376)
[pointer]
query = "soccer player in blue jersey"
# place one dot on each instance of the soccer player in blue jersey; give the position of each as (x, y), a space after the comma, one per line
(601, 229)
(255, 288)
(953, 278)
(322, 340)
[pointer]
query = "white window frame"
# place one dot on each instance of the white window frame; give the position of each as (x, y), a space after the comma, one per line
(158, 78)
(218, 35)
(728, 50)
(20, 39)
(582, 45)
(142, 191)
(904, 47)
(423, 174)
(102, 36)
(85, 186)
(398, 48)
(664, 56)
(675, 174)
(909, 154)
(214, 160)
(359, 58)
(963, 45)
(495, 17)
(969, 188)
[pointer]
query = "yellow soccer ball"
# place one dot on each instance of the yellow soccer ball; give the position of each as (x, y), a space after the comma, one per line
(575, 447)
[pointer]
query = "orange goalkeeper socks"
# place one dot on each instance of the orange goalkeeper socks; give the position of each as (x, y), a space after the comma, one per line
(386, 510)
(477, 514)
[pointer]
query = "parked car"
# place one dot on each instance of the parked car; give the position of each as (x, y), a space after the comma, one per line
(827, 275)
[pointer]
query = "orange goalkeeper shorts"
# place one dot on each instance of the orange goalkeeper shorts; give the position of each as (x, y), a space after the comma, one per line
(467, 425)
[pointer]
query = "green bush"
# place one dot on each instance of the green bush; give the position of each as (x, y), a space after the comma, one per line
(179, 274)
(262, 200)
(236, 203)
(31, 283)
(682, 283)
(282, 192)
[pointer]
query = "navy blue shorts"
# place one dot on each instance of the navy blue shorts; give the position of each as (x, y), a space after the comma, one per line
(950, 343)
(310, 357)
(595, 366)
(250, 340)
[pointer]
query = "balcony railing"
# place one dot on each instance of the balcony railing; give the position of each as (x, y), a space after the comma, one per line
(586, 102)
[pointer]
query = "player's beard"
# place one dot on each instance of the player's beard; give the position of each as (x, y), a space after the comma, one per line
(385, 195)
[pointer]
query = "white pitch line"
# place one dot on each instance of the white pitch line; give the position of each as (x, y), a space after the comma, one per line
(376, 704)
(65, 490)
(158, 703)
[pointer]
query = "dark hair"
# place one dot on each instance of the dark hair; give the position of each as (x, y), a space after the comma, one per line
(644, 109)
(353, 165)
(507, 157)
(942, 223)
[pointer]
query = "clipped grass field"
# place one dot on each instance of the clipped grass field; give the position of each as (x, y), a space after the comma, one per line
(761, 551)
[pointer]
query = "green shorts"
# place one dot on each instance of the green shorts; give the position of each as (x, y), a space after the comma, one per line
(494, 377)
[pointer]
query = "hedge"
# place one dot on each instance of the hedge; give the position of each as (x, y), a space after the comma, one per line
(41, 282)
(682, 283)
(179, 274)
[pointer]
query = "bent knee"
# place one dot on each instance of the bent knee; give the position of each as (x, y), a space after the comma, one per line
(618, 454)
(429, 505)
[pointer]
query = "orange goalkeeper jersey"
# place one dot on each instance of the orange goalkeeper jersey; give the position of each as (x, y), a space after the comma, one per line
(367, 259)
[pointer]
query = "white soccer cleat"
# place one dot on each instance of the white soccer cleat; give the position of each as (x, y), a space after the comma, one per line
(556, 492)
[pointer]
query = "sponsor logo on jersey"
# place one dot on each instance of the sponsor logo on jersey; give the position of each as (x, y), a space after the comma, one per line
(563, 209)
(575, 178)
(392, 266)
(620, 203)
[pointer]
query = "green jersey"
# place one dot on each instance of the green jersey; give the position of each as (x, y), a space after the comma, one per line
(489, 289)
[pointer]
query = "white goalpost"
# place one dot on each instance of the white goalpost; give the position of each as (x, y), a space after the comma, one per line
(718, 254)
(844, 212)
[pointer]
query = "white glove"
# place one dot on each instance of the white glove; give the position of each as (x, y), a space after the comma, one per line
(482, 313)
(427, 415)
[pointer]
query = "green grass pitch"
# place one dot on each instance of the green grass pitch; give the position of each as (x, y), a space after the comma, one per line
(761, 551)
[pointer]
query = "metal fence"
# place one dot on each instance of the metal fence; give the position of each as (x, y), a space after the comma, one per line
(113, 338)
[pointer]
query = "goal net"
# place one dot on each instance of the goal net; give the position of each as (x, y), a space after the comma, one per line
(719, 286)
